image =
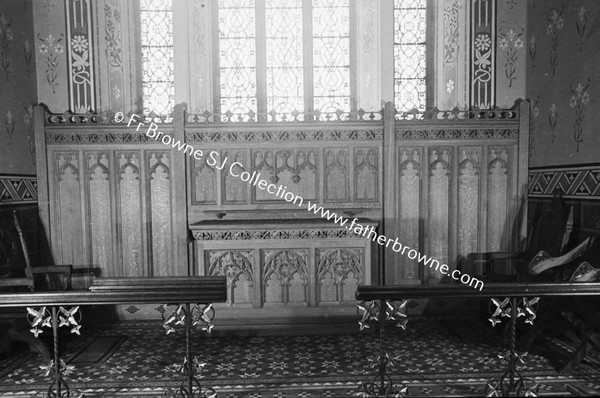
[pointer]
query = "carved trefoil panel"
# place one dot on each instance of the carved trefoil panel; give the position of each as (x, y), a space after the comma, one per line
(285, 277)
(99, 210)
(469, 160)
(498, 193)
(409, 202)
(336, 175)
(439, 204)
(366, 174)
(238, 267)
(129, 208)
(293, 169)
(339, 272)
(160, 208)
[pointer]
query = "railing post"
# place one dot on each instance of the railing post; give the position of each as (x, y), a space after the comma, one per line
(57, 369)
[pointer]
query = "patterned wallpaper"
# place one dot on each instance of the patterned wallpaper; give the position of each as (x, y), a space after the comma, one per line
(17, 87)
(563, 81)
(51, 53)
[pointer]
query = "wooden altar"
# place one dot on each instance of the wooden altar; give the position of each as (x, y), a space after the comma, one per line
(444, 183)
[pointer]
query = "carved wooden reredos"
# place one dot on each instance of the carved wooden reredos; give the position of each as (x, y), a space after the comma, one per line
(446, 183)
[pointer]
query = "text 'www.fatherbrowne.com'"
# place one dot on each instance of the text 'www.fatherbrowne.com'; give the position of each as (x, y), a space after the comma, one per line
(236, 169)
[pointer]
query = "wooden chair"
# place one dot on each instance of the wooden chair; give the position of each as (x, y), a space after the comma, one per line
(32, 278)
(551, 235)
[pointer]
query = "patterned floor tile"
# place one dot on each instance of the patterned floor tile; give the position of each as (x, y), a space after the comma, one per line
(427, 358)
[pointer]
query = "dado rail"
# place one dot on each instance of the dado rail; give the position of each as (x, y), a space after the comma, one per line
(187, 301)
(509, 300)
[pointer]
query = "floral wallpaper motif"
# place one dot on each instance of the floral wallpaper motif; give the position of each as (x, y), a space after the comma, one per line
(511, 52)
(578, 102)
(17, 86)
(113, 36)
(451, 33)
(50, 49)
(532, 50)
(511, 42)
(9, 122)
(555, 25)
(583, 29)
(6, 39)
(28, 56)
(533, 118)
(552, 120)
(28, 120)
(562, 69)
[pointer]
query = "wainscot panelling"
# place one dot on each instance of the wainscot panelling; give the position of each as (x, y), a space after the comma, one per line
(110, 198)
(447, 184)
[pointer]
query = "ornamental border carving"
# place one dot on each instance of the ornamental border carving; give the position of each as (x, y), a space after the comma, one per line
(294, 135)
(436, 134)
(98, 138)
(271, 234)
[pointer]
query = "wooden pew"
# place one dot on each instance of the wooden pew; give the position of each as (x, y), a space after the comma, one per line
(511, 300)
(190, 300)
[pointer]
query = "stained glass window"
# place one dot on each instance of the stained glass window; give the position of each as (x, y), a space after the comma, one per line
(237, 56)
(331, 55)
(410, 21)
(285, 79)
(280, 44)
(157, 56)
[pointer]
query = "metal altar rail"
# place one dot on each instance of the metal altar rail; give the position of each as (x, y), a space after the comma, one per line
(511, 300)
(188, 303)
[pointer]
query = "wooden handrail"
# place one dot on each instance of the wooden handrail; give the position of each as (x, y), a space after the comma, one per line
(400, 292)
(199, 290)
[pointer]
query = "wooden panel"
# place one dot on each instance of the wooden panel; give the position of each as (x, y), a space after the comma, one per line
(498, 195)
(366, 174)
(160, 207)
(468, 199)
(337, 175)
(204, 182)
(335, 164)
(68, 215)
(294, 169)
(339, 272)
(234, 189)
(440, 173)
(285, 266)
(238, 267)
(285, 276)
(409, 203)
(133, 258)
(100, 214)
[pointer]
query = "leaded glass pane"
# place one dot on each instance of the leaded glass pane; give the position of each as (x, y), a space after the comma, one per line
(410, 22)
(237, 56)
(331, 55)
(157, 56)
(285, 82)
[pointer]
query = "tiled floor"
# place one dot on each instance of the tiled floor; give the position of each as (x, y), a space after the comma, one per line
(429, 357)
